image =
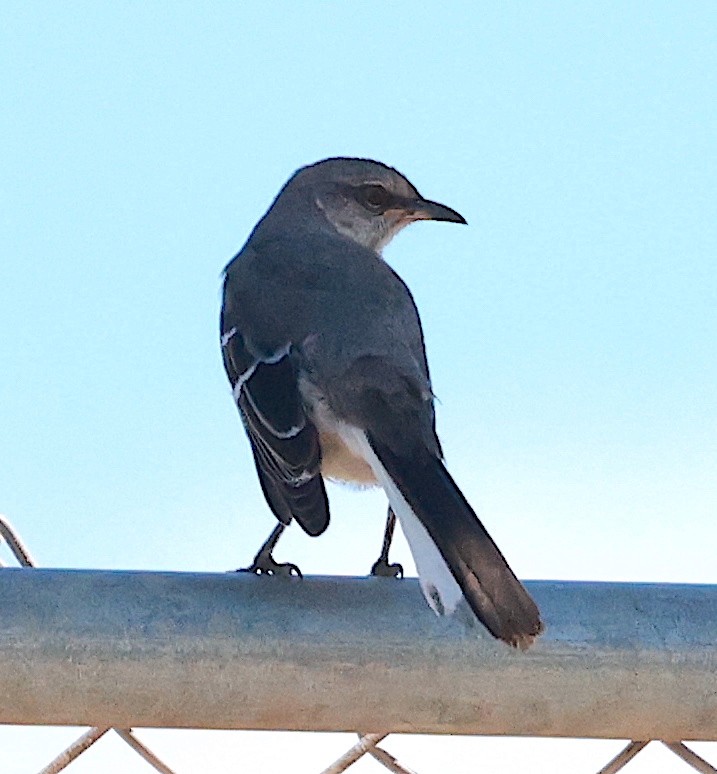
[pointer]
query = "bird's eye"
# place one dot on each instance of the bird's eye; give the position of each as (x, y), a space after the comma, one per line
(374, 197)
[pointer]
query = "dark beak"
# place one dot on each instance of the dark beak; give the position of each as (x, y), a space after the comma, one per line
(423, 209)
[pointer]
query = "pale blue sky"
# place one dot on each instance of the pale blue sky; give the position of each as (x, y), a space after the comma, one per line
(570, 327)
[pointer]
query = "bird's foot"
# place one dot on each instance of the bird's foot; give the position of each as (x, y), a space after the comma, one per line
(383, 569)
(265, 565)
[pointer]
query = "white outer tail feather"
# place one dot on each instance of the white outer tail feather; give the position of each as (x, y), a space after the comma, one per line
(440, 588)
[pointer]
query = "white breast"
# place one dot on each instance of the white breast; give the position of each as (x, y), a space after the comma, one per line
(338, 461)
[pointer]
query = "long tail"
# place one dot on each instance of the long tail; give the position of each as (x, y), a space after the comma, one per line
(432, 510)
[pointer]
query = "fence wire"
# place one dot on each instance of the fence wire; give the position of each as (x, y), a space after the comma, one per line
(84, 742)
(367, 744)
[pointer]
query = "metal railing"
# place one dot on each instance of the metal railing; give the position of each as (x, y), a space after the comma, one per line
(95, 647)
(84, 742)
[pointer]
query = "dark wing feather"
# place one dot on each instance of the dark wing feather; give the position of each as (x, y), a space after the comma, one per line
(284, 442)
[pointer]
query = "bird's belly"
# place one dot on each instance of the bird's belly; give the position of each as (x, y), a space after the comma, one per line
(341, 463)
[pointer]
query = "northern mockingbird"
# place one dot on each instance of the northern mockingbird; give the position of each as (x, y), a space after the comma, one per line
(323, 346)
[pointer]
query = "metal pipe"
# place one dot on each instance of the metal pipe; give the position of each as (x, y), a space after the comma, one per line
(122, 649)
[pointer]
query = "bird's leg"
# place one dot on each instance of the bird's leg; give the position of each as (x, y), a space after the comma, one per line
(264, 563)
(382, 567)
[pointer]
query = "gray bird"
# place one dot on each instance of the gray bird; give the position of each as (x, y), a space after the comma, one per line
(323, 346)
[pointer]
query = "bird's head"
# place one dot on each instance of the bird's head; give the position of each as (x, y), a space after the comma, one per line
(364, 200)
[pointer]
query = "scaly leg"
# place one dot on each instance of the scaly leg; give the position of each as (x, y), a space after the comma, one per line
(264, 563)
(382, 567)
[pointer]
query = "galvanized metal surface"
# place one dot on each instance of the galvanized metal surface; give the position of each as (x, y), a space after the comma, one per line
(619, 762)
(17, 547)
(9, 534)
(119, 649)
(71, 753)
(365, 744)
(690, 757)
(142, 750)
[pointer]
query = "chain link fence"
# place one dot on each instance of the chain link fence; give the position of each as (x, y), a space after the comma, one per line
(367, 744)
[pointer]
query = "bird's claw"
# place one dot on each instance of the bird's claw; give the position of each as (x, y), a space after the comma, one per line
(382, 569)
(265, 565)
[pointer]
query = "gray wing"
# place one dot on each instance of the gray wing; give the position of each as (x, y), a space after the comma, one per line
(284, 442)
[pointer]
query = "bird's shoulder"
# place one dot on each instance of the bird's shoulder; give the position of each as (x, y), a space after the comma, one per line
(320, 264)
(279, 289)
